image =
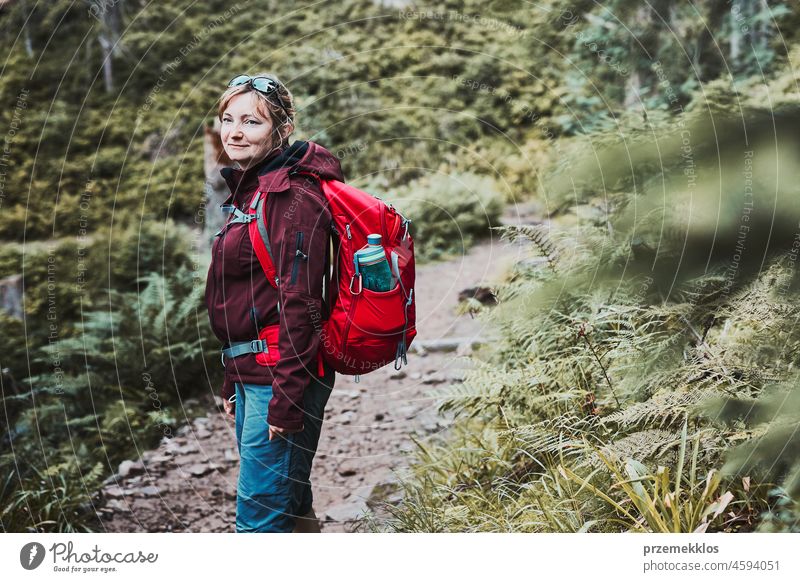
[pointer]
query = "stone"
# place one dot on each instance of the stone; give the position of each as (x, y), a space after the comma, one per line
(363, 492)
(433, 378)
(159, 460)
(198, 470)
(350, 394)
(117, 505)
(183, 460)
(456, 376)
(345, 417)
(464, 349)
(149, 491)
(347, 468)
(186, 449)
(407, 447)
(380, 416)
(399, 375)
(202, 434)
(128, 467)
(351, 510)
(407, 412)
(114, 492)
(429, 423)
(175, 443)
(395, 498)
(484, 295)
(447, 344)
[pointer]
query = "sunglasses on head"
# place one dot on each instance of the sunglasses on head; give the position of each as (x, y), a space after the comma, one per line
(263, 85)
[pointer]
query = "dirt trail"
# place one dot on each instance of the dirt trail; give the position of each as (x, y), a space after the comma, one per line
(189, 482)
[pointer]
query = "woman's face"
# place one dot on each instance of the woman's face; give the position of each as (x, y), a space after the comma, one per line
(245, 133)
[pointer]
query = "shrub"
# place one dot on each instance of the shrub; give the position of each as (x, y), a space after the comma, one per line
(449, 213)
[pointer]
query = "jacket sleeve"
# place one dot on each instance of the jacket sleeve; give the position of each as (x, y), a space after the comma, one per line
(303, 243)
(227, 388)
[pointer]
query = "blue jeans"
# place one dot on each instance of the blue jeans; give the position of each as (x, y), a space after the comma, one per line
(274, 476)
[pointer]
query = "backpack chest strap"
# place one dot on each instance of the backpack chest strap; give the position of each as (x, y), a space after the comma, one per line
(238, 217)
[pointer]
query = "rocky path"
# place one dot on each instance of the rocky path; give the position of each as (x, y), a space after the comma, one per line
(189, 482)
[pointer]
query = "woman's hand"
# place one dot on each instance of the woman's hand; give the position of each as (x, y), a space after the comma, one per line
(230, 408)
(275, 431)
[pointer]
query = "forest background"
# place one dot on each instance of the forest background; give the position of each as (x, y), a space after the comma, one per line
(645, 377)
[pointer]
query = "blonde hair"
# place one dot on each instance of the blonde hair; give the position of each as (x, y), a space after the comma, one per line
(269, 107)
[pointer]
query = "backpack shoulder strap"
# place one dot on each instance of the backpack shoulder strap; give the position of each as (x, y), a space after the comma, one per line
(260, 238)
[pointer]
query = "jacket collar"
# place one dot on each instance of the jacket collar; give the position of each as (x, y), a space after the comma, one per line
(272, 175)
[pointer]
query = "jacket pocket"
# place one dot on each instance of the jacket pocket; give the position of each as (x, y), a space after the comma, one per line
(299, 256)
(297, 240)
(272, 356)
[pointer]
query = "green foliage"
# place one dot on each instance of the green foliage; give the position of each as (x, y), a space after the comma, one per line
(449, 213)
(658, 502)
(658, 382)
(616, 340)
(114, 388)
(53, 500)
(775, 455)
(655, 56)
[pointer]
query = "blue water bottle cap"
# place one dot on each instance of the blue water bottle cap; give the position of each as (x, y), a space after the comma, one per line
(373, 239)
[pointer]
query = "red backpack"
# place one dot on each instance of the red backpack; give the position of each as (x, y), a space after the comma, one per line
(365, 329)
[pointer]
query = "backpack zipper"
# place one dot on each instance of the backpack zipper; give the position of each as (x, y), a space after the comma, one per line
(297, 255)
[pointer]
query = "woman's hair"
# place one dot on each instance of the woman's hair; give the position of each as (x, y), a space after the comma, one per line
(269, 107)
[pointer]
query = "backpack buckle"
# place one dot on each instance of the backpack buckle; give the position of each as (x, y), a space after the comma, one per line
(258, 346)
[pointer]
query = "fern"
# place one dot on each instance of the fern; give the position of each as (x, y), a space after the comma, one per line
(539, 235)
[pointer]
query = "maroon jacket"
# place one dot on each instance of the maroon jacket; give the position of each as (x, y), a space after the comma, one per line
(239, 298)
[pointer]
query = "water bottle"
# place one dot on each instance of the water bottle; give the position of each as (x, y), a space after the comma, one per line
(371, 262)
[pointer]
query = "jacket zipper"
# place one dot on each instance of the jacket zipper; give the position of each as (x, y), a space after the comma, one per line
(297, 255)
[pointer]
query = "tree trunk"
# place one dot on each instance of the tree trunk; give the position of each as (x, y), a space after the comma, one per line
(11, 295)
(110, 18)
(633, 86)
(26, 28)
(216, 190)
(736, 36)
(108, 72)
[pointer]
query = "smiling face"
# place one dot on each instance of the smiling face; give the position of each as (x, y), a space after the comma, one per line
(245, 131)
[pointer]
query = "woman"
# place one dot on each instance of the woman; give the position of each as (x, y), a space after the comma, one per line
(276, 389)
